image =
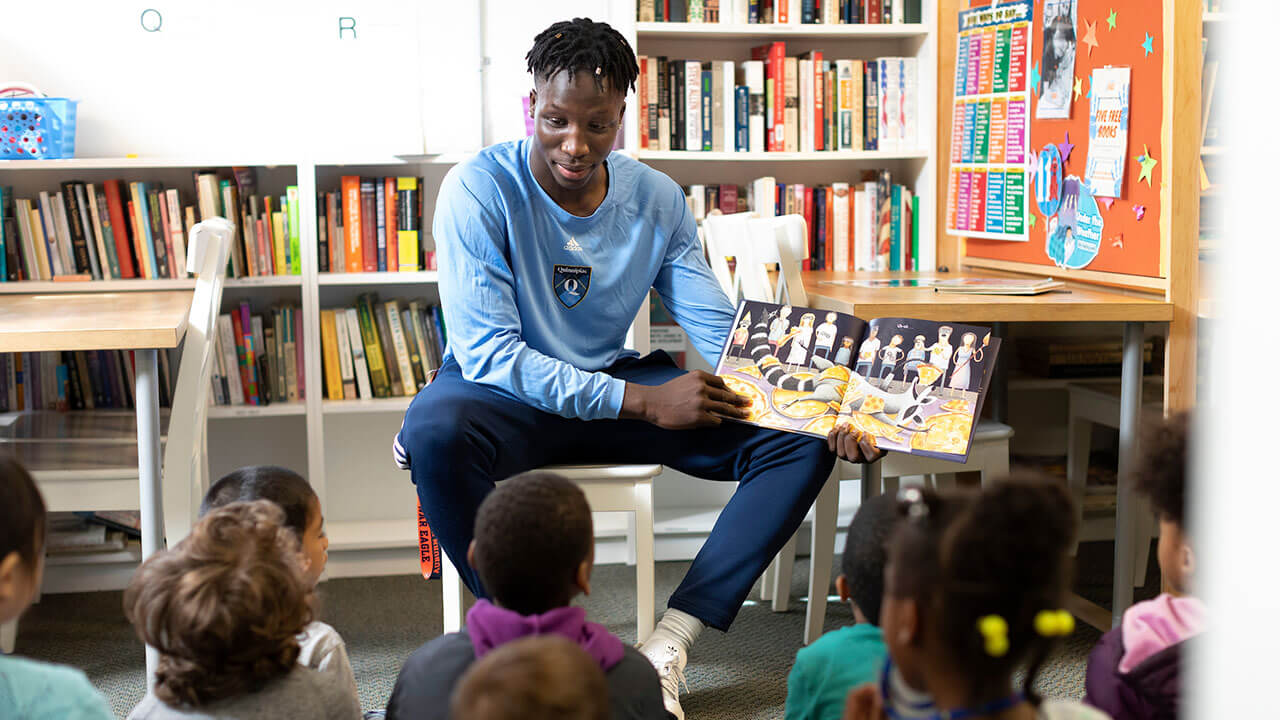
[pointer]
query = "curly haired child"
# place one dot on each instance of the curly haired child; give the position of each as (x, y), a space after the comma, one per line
(321, 647)
(224, 609)
(1134, 671)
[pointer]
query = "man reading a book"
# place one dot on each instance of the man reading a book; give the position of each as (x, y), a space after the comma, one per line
(548, 247)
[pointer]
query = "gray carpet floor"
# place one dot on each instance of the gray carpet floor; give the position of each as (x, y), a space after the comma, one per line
(740, 675)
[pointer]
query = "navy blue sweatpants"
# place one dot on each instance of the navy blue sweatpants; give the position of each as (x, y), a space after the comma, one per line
(461, 436)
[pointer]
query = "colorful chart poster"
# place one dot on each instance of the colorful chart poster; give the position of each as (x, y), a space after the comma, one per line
(990, 124)
(1108, 131)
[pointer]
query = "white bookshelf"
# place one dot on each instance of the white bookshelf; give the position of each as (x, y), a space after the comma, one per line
(377, 278)
(366, 405)
(778, 157)
(775, 31)
(914, 168)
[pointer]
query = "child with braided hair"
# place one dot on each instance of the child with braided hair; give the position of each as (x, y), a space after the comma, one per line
(974, 588)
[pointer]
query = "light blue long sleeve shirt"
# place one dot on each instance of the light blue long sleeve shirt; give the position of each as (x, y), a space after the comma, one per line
(538, 301)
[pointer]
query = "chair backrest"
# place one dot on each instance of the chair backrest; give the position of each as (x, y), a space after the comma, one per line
(185, 457)
(726, 238)
(780, 242)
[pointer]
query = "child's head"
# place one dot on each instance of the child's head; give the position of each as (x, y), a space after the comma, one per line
(861, 579)
(22, 528)
(1162, 477)
(806, 320)
(224, 607)
(944, 333)
(976, 583)
(831, 317)
(292, 494)
(846, 341)
(895, 340)
(968, 339)
(543, 677)
(533, 546)
(920, 342)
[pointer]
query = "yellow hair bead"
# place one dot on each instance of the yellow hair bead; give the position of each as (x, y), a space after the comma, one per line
(995, 634)
(1054, 623)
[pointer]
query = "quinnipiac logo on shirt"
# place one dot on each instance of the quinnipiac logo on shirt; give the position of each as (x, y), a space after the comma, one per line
(570, 283)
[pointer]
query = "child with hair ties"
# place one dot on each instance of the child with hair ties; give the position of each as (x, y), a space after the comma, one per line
(533, 549)
(974, 590)
(320, 646)
(1134, 671)
(30, 689)
(224, 609)
(543, 677)
(843, 659)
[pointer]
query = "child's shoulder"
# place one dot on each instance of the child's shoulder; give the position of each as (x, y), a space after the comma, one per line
(1070, 710)
(841, 642)
(39, 688)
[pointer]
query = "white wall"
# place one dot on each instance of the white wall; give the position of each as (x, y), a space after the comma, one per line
(254, 80)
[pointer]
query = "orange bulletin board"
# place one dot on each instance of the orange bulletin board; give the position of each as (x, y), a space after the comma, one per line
(1130, 246)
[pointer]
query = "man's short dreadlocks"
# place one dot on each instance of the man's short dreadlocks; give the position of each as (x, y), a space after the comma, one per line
(580, 45)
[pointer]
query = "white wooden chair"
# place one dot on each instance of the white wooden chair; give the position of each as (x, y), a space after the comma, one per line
(609, 488)
(783, 242)
(97, 467)
(1099, 403)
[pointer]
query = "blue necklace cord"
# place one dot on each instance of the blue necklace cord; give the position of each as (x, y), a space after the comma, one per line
(995, 706)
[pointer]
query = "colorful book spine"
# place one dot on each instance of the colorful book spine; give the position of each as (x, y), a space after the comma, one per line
(407, 227)
(351, 229)
(295, 234)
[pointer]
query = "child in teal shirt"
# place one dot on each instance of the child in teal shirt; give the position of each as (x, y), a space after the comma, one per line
(29, 689)
(842, 659)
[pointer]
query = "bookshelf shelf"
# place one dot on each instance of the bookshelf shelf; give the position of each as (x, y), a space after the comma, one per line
(127, 163)
(845, 155)
(773, 31)
(63, 286)
(378, 278)
(367, 405)
(372, 534)
(407, 159)
(1212, 150)
(241, 411)
(1212, 18)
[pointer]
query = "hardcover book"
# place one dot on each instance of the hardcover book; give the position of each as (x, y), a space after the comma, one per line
(917, 386)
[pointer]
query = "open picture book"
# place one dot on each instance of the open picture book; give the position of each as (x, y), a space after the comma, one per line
(916, 385)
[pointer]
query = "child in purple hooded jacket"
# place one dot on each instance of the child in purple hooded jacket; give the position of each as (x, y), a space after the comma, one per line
(534, 550)
(1134, 671)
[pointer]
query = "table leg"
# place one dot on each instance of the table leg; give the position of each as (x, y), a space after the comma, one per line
(147, 401)
(1130, 411)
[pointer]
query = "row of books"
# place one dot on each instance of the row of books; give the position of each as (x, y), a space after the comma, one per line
(257, 358)
(138, 229)
(74, 380)
(873, 224)
(779, 11)
(373, 224)
(380, 349)
(777, 103)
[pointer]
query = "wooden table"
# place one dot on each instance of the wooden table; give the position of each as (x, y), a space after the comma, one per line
(1079, 303)
(140, 321)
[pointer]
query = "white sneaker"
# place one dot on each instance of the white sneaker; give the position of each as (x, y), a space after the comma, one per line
(669, 660)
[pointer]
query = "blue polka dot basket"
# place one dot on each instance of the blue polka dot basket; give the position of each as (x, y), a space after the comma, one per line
(35, 127)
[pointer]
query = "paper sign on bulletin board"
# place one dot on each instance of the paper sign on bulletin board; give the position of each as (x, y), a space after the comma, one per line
(1107, 34)
(990, 124)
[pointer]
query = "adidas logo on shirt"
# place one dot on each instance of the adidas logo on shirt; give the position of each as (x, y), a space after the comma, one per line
(573, 245)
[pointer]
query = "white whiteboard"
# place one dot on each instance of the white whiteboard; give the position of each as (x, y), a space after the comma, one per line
(255, 78)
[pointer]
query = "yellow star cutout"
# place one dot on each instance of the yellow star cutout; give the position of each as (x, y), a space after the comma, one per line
(1076, 89)
(1148, 163)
